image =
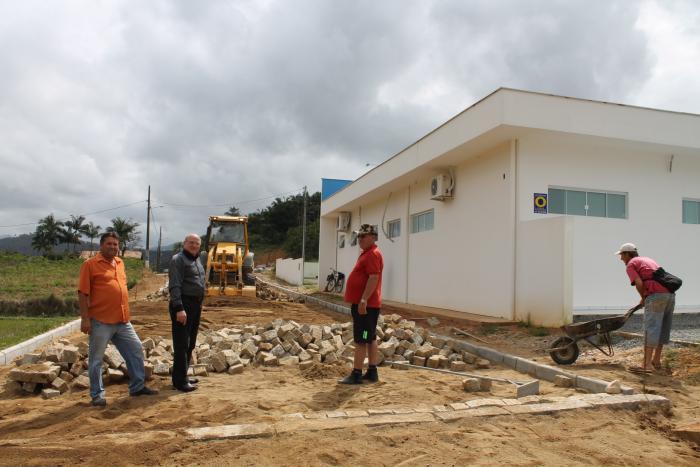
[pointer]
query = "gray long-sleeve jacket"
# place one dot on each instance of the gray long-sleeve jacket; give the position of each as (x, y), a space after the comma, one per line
(186, 277)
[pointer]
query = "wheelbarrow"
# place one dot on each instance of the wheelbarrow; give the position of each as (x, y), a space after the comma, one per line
(564, 350)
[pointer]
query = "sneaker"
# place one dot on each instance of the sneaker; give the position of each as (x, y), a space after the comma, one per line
(145, 391)
(353, 378)
(99, 402)
(371, 376)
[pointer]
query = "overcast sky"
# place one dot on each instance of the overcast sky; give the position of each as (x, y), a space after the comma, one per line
(220, 102)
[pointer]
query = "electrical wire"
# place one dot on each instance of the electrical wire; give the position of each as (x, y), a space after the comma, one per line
(83, 214)
(228, 204)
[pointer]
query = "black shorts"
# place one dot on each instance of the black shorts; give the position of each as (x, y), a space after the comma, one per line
(364, 327)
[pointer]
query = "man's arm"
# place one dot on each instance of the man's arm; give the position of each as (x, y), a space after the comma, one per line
(372, 282)
(84, 301)
(175, 278)
(639, 285)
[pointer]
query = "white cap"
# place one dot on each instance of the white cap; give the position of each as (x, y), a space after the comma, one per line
(627, 248)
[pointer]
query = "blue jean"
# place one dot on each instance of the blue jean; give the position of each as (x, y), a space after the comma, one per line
(128, 344)
(658, 316)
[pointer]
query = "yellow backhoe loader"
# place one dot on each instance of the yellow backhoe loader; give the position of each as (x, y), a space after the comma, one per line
(229, 262)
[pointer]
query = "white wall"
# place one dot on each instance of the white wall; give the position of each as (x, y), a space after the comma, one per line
(654, 220)
(544, 273)
(310, 270)
(289, 270)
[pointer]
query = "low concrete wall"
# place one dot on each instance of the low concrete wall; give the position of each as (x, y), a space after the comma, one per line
(11, 353)
(289, 270)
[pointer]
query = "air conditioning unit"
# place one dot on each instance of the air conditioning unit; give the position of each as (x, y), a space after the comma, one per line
(344, 221)
(441, 187)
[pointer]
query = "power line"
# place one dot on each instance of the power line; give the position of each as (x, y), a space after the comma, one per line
(83, 214)
(228, 204)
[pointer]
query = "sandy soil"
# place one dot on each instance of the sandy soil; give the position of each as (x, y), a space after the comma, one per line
(57, 427)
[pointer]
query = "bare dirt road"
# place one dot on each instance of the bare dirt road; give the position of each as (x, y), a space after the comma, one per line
(59, 431)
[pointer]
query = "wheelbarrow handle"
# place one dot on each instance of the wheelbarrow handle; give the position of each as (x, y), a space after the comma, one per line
(631, 311)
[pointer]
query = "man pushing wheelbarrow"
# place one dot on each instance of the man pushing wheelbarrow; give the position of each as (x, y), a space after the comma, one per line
(656, 288)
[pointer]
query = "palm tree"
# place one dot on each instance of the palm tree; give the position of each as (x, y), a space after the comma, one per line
(91, 231)
(74, 228)
(48, 234)
(126, 229)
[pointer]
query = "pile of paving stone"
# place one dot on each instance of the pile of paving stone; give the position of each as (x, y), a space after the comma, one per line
(265, 292)
(61, 366)
(159, 295)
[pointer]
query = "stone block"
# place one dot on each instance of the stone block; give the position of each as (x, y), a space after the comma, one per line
(218, 361)
(331, 357)
(469, 358)
(148, 344)
(235, 369)
(42, 373)
(270, 361)
(433, 362)
(305, 364)
(66, 376)
(485, 384)
(304, 356)
(458, 365)
(471, 384)
(81, 382)
(419, 361)
(201, 370)
(278, 351)
(114, 376)
(563, 381)
(399, 366)
(28, 359)
(267, 336)
(60, 385)
(613, 387)
(50, 393)
(289, 361)
(249, 350)
(161, 369)
(459, 406)
(483, 364)
(484, 403)
(265, 346)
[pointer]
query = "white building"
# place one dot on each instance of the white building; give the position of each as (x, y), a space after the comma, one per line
(612, 173)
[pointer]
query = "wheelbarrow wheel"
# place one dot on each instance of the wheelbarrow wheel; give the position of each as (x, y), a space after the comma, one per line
(567, 352)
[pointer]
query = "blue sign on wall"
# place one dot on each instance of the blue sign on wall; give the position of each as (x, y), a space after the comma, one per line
(540, 203)
(329, 186)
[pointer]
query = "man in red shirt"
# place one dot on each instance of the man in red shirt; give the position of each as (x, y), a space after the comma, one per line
(364, 292)
(658, 304)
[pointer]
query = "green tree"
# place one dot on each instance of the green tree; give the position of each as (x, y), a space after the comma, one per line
(126, 229)
(91, 231)
(233, 211)
(73, 229)
(47, 235)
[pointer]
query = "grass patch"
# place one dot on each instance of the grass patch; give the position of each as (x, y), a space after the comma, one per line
(489, 329)
(536, 331)
(14, 330)
(30, 277)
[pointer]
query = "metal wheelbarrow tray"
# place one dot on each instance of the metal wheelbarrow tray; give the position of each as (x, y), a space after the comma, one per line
(565, 350)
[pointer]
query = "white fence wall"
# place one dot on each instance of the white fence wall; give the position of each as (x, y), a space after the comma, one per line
(289, 270)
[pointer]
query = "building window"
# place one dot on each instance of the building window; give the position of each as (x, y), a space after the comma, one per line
(422, 221)
(587, 203)
(341, 242)
(691, 211)
(393, 228)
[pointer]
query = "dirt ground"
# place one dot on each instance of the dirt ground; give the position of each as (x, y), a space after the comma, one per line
(54, 430)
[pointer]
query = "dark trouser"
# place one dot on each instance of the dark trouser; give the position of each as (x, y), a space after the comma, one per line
(185, 338)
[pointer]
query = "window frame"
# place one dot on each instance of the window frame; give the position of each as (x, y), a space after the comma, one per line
(586, 191)
(423, 213)
(389, 224)
(690, 200)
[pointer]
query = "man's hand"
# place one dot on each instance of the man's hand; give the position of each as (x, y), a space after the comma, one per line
(85, 325)
(181, 317)
(362, 307)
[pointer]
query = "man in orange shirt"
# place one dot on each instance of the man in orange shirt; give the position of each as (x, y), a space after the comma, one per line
(364, 293)
(104, 316)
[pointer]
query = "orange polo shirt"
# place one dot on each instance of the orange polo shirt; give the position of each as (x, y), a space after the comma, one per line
(106, 286)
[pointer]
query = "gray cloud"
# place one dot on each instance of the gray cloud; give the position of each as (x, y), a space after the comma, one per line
(229, 101)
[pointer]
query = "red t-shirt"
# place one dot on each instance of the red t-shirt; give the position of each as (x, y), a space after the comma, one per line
(369, 263)
(644, 268)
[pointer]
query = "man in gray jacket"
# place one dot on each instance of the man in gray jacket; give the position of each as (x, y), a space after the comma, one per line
(187, 290)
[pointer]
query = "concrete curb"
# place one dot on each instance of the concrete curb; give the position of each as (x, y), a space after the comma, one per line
(520, 364)
(11, 353)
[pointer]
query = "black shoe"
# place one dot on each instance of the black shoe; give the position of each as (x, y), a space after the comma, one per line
(145, 391)
(99, 402)
(193, 380)
(186, 388)
(353, 378)
(371, 376)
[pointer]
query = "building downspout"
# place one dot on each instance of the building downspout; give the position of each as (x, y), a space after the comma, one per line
(516, 211)
(408, 236)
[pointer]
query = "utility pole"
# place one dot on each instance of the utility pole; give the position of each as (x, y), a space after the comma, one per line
(160, 235)
(303, 239)
(148, 229)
